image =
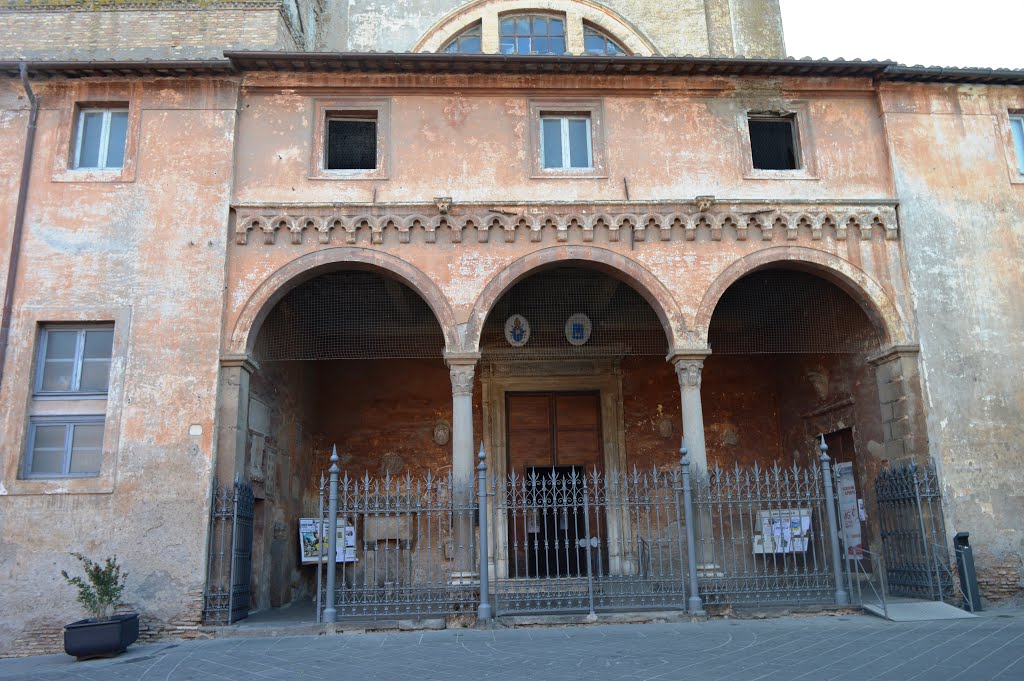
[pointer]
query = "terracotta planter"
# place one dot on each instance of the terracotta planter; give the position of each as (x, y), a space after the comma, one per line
(88, 638)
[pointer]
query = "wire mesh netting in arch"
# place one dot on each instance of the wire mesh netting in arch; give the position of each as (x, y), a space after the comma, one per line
(350, 315)
(785, 311)
(573, 312)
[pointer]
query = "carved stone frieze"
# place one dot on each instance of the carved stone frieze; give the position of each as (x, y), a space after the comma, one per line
(404, 224)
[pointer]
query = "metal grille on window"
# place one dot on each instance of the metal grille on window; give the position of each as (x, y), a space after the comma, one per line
(467, 42)
(574, 313)
(351, 144)
(773, 143)
(350, 315)
(780, 311)
(532, 35)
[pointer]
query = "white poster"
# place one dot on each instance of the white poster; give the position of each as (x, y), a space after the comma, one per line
(310, 540)
(783, 531)
(849, 511)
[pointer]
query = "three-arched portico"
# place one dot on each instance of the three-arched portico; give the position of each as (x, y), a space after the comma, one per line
(644, 405)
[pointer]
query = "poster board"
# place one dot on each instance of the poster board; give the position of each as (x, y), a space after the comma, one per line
(849, 511)
(309, 541)
(783, 530)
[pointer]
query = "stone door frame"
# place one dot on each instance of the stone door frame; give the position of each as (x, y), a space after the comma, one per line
(603, 376)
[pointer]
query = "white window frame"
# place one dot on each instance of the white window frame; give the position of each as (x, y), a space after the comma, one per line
(104, 138)
(566, 154)
(1017, 137)
(69, 423)
(76, 376)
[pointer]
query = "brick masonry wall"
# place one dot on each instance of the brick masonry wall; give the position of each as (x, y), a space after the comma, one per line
(141, 34)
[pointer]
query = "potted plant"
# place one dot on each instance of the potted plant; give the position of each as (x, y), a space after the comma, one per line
(104, 634)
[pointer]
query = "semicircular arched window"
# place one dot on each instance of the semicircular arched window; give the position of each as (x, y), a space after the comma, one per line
(467, 42)
(532, 34)
(596, 41)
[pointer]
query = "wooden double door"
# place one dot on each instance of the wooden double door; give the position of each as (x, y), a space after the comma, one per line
(552, 438)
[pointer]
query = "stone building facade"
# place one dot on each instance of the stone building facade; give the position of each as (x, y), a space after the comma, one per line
(242, 299)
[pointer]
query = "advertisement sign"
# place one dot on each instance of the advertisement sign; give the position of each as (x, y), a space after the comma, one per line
(849, 510)
(310, 540)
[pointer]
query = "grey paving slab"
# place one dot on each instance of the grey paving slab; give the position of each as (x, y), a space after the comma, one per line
(822, 648)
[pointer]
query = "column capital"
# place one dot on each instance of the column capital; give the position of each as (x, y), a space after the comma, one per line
(688, 372)
(462, 379)
(688, 366)
(893, 353)
(247, 362)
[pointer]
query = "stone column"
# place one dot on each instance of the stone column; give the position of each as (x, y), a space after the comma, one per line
(688, 370)
(462, 368)
(233, 417)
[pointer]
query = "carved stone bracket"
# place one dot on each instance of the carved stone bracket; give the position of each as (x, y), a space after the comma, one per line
(655, 222)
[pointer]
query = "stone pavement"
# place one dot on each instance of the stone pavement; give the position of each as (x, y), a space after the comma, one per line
(840, 648)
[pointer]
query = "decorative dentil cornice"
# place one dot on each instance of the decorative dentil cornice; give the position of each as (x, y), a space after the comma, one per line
(660, 222)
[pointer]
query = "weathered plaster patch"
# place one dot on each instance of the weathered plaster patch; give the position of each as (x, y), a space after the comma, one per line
(469, 275)
(457, 110)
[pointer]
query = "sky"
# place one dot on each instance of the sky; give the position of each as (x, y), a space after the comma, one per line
(928, 32)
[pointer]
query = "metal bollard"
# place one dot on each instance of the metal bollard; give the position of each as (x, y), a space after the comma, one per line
(842, 597)
(483, 612)
(330, 612)
(694, 605)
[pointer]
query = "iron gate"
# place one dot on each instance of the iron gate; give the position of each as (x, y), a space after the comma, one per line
(229, 567)
(913, 532)
(566, 539)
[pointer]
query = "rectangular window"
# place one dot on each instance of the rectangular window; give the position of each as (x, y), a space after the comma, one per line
(74, 360)
(1017, 130)
(351, 141)
(773, 142)
(64, 447)
(100, 138)
(565, 141)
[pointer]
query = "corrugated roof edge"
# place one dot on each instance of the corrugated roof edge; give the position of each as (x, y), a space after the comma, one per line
(429, 62)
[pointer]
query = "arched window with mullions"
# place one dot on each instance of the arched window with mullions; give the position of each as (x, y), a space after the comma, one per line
(467, 42)
(532, 34)
(596, 41)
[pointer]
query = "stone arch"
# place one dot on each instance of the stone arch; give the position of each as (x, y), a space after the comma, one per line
(594, 13)
(876, 303)
(619, 266)
(302, 269)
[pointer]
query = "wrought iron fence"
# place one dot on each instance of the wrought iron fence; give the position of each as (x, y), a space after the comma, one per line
(913, 532)
(405, 547)
(763, 535)
(229, 557)
(566, 539)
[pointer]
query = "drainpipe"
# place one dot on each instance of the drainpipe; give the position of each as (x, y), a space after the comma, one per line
(19, 217)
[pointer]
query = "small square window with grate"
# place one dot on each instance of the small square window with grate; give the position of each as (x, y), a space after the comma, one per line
(352, 142)
(773, 144)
